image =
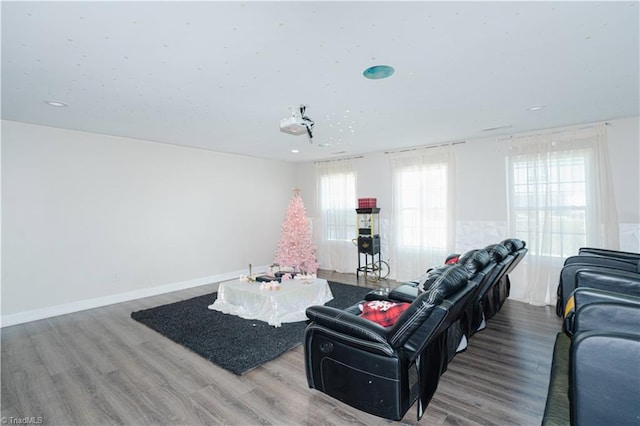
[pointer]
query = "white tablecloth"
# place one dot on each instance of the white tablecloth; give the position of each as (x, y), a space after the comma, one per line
(288, 304)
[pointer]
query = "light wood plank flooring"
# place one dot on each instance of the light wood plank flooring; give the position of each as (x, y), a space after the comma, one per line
(100, 367)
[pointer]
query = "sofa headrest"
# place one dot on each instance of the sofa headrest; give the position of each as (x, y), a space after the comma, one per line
(465, 256)
(514, 244)
(431, 276)
(497, 252)
(448, 281)
(474, 261)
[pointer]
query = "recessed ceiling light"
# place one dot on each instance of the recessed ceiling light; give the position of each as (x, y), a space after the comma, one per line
(56, 103)
(535, 107)
(491, 129)
(295, 151)
(377, 72)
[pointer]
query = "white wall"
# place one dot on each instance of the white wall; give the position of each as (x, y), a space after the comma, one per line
(481, 178)
(90, 218)
(624, 145)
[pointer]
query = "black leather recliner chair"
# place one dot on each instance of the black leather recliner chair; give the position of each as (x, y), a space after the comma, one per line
(600, 394)
(492, 297)
(594, 305)
(518, 248)
(384, 370)
(624, 280)
(480, 267)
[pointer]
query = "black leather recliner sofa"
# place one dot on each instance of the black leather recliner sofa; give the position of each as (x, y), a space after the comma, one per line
(384, 370)
(595, 375)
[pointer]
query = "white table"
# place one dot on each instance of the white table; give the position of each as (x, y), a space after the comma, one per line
(288, 304)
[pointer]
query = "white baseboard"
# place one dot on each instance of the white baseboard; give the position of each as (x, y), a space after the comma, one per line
(82, 305)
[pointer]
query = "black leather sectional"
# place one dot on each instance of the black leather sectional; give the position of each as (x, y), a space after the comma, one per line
(595, 374)
(385, 370)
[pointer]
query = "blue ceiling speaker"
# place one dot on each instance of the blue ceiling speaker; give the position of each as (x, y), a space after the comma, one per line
(378, 72)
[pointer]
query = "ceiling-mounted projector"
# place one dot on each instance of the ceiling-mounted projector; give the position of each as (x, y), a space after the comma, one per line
(298, 123)
(293, 125)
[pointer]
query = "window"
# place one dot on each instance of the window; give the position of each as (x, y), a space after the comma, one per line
(422, 206)
(336, 215)
(423, 214)
(560, 199)
(338, 204)
(550, 195)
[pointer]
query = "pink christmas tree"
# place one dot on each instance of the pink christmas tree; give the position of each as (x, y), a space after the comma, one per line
(296, 248)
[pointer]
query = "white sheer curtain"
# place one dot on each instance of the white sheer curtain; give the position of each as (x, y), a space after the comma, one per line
(560, 199)
(423, 213)
(336, 182)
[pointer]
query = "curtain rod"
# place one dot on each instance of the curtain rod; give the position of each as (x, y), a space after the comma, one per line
(338, 159)
(555, 132)
(425, 147)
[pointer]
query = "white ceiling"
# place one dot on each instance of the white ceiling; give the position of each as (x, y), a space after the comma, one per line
(221, 75)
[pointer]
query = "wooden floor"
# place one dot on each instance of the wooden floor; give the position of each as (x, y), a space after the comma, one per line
(101, 367)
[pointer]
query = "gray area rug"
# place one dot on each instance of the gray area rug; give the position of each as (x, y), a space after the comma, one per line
(233, 343)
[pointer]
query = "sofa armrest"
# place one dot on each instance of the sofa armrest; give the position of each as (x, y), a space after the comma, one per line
(405, 293)
(625, 255)
(585, 295)
(607, 262)
(347, 323)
